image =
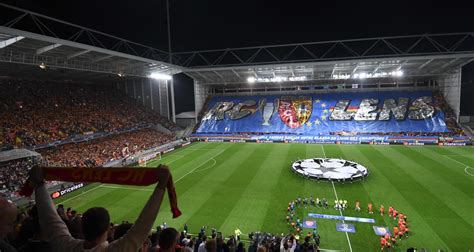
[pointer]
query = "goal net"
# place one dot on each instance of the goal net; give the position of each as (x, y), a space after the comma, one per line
(142, 161)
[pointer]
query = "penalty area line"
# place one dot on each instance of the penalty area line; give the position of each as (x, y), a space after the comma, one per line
(215, 162)
(142, 189)
(220, 152)
(467, 168)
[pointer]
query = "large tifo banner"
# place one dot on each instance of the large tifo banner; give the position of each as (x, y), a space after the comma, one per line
(321, 114)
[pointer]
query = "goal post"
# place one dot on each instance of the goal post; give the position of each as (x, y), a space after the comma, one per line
(143, 161)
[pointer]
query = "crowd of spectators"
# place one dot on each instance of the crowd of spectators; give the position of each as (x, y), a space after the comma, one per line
(38, 112)
(28, 235)
(449, 115)
(44, 227)
(12, 176)
(91, 153)
(440, 104)
(103, 150)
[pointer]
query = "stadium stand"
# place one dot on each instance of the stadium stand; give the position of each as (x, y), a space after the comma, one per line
(93, 153)
(83, 124)
(104, 150)
(368, 115)
(12, 175)
(38, 112)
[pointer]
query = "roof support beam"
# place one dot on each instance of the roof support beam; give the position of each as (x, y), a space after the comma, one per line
(333, 70)
(401, 65)
(202, 76)
(377, 68)
(77, 54)
(191, 75)
(354, 69)
(449, 63)
(425, 64)
(238, 75)
(466, 62)
(252, 70)
(102, 58)
(10, 41)
(47, 48)
(58, 41)
(324, 63)
(220, 76)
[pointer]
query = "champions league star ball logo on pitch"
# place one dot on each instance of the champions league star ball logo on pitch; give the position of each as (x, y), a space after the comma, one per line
(330, 169)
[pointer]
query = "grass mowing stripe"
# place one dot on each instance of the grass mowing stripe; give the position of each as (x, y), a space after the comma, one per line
(164, 157)
(340, 212)
(79, 193)
(273, 218)
(442, 187)
(422, 198)
(286, 189)
(193, 158)
(446, 164)
(336, 240)
(220, 152)
(362, 191)
(228, 193)
(402, 198)
(223, 192)
(127, 188)
(467, 168)
(252, 204)
(195, 190)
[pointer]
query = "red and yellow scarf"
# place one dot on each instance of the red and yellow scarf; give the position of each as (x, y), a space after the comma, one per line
(122, 176)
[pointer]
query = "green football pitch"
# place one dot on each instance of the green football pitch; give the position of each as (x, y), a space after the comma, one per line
(249, 185)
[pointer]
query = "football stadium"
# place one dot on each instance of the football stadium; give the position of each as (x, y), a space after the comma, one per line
(338, 145)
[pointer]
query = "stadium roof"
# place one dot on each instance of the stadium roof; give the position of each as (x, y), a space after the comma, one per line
(68, 51)
(416, 55)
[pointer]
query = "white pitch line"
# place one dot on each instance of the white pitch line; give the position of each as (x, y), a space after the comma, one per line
(466, 167)
(176, 159)
(140, 189)
(215, 162)
(347, 236)
(199, 166)
(172, 154)
(340, 212)
(128, 188)
(324, 153)
(81, 194)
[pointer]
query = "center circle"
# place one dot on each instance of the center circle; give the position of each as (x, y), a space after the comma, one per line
(330, 169)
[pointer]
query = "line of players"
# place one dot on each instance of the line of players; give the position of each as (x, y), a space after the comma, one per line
(297, 224)
(399, 231)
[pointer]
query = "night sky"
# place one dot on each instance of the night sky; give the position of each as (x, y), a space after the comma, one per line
(212, 24)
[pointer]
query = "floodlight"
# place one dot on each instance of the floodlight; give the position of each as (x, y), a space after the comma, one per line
(160, 76)
(279, 79)
(251, 79)
(42, 65)
(399, 73)
(362, 75)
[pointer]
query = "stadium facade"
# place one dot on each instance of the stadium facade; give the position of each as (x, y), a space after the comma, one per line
(36, 46)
